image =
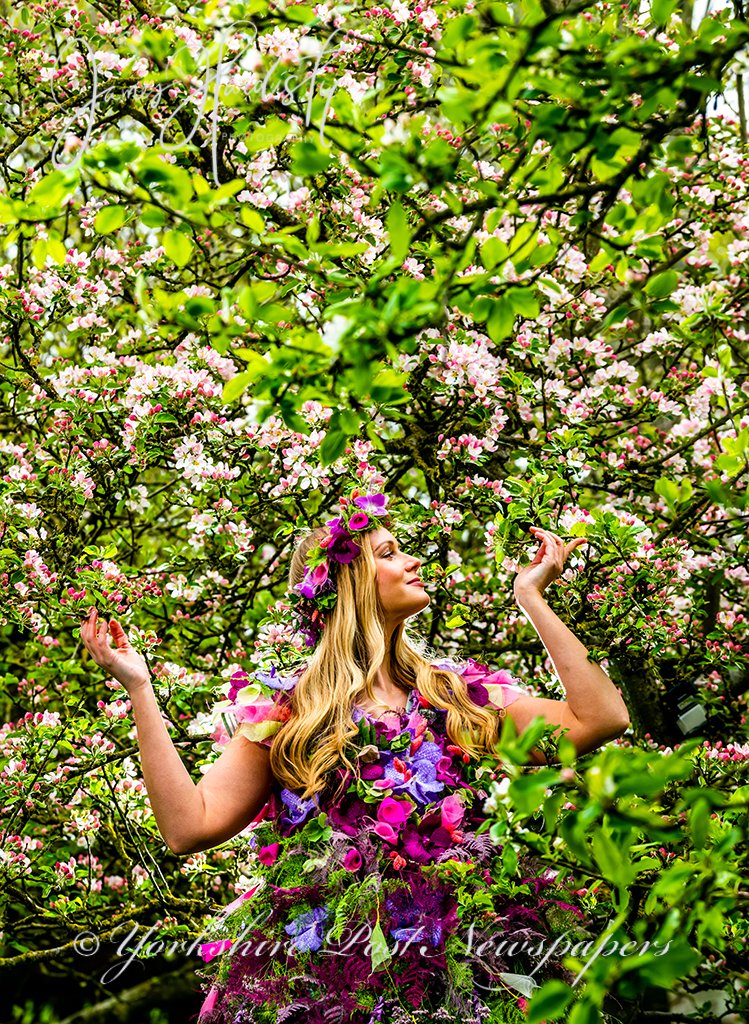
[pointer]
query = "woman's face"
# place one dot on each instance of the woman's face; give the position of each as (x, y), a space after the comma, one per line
(396, 570)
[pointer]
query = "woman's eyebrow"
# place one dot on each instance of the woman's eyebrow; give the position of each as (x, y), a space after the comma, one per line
(380, 546)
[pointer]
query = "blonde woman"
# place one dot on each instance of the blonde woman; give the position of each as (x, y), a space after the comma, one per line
(363, 773)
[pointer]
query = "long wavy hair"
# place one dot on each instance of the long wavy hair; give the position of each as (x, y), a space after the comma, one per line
(317, 737)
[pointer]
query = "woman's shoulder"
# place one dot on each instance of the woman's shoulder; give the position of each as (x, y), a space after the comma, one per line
(486, 685)
(257, 704)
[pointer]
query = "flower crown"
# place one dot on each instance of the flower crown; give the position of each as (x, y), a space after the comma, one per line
(317, 593)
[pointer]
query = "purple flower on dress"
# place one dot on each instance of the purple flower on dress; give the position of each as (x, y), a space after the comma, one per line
(372, 504)
(348, 814)
(420, 913)
(299, 808)
(448, 771)
(274, 680)
(307, 930)
(424, 842)
(419, 779)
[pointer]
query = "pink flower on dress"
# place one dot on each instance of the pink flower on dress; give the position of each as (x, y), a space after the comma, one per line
(209, 1002)
(209, 950)
(267, 854)
(352, 861)
(452, 811)
(386, 832)
(393, 812)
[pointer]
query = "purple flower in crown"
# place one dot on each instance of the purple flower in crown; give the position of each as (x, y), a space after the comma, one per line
(372, 504)
(313, 582)
(338, 545)
(342, 549)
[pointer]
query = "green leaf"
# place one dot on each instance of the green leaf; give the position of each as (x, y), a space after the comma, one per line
(39, 253)
(525, 302)
(661, 10)
(53, 189)
(611, 858)
(584, 1013)
(667, 489)
(333, 445)
(252, 219)
(699, 823)
(178, 247)
(111, 156)
(158, 175)
(501, 319)
(109, 218)
(273, 132)
(551, 1000)
(308, 158)
(397, 225)
(237, 386)
(493, 252)
(662, 284)
(509, 860)
(380, 953)
(730, 464)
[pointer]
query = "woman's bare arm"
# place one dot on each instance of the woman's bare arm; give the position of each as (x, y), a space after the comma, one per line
(594, 711)
(191, 817)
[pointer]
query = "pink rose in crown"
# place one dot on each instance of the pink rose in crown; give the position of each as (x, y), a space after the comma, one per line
(358, 521)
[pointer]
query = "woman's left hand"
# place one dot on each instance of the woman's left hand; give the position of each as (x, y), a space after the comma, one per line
(548, 563)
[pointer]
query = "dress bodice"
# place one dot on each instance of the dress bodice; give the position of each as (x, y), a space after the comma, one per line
(388, 865)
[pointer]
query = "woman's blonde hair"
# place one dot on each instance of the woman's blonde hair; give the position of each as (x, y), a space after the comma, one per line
(313, 742)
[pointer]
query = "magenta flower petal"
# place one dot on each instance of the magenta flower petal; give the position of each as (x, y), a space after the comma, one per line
(372, 504)
(352, 861)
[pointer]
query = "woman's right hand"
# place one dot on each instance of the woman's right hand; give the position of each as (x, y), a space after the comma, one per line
(122, 661)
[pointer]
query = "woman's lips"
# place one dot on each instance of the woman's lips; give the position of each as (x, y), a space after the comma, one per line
(416, 583)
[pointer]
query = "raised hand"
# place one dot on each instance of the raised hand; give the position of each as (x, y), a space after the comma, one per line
(548, 563)
(122, 661)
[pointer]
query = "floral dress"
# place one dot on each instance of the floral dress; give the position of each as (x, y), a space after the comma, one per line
(391, 903)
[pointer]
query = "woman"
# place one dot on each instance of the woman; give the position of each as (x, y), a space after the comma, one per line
(362, 774)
